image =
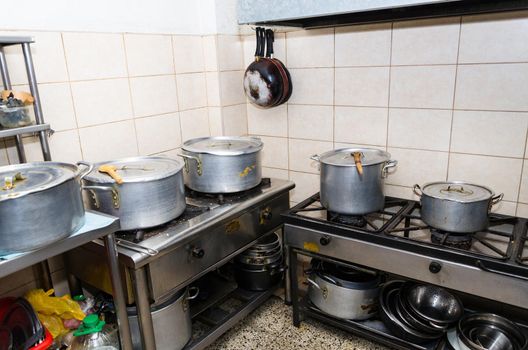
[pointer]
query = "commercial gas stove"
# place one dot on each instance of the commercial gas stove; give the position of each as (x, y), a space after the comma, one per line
(213, 229)
(491, 265)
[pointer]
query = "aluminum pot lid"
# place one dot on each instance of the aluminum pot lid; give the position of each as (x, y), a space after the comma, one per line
(457, 191)
(224, 145)
(23, 179)
(137, 169)
(345, 156)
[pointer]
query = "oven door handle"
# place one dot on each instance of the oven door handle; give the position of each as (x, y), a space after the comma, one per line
(481, 266)
(136, 247)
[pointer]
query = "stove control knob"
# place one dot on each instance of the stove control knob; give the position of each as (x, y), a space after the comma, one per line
(435, 267)
(198, 253)
(325, 240)
(265, 215)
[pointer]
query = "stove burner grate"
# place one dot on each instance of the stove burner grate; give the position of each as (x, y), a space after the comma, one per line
(222, 198)
(351, 220)
(452, 239)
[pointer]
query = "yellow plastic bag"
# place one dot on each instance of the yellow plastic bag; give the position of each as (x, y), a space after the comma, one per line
(53, 310)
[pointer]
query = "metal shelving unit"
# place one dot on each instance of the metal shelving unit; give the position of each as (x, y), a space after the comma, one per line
(41, 128)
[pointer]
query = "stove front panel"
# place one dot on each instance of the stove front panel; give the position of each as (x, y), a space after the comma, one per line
(464, 278)
(212, 246)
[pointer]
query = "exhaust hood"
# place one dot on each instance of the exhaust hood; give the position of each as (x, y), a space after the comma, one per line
(328, 13)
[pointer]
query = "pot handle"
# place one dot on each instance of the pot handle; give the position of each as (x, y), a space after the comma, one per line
(417, 188)
(316, 157)
(323, 290)
(192, 290)
(496, 199)
(93, 189)
(199, 167)
(389, 164)
(89, 168)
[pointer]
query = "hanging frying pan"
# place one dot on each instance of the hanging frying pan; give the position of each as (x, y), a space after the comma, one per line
(263, 83)
(285, 74)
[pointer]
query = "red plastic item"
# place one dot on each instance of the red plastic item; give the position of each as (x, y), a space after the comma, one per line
(46, 343)
(5, 303)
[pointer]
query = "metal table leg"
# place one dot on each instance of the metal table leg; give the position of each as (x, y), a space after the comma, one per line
(287, 282)
(118, 293)
(146, 328)
(294, 287)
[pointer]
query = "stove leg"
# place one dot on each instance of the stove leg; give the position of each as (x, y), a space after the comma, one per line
(146, 328)
(294, 288)
(287, 282)
(118, 293)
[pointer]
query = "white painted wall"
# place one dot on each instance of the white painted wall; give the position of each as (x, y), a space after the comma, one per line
(135, 16)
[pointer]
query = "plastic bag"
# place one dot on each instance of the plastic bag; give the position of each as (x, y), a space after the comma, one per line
(52, 311)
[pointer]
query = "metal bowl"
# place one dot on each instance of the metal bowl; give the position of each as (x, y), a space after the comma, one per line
(482, 331)
(415, 322)
(432, 304)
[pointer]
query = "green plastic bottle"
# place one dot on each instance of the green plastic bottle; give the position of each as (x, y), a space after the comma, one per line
(94, 333)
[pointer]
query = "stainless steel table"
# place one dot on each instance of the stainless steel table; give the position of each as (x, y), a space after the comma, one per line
(97, 225)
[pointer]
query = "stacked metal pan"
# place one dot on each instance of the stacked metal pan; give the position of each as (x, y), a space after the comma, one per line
(261, 266)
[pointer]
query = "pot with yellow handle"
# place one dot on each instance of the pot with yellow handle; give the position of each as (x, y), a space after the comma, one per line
(224, 164)
(142, 192)
(40, 203)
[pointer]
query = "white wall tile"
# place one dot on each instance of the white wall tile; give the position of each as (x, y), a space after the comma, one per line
(368, 86)
(338, 145)
(427, 129)
(191, 90)
(400, 192)
(417, 167)
(275, 173)
(312, 86)
(188, 53)
(148, 54)
(209, 51)
(231, 88)
(300, 152)
(65, 146)
(229, 51)
(57, 106)
(505, 208)
(235, 120)
(46, 48)
(310, 48)
(422, 87)
(305, 185)
(522, 210)
(154, 95)
(492, 87)
(270, 122)
(497, 37)
(500, 174)
(275, 152)
(95, 55)
(109, 141)
(212, 80)
(311, 122)
(101, 101)
(489, 133)
(363, 45)
(361, 125)
(428, 41)
(194, 123)
(523, 192)
(159, 133)
(215, 121)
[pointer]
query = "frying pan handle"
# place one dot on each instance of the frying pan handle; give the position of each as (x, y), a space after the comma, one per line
(269, 43)
(257, 43)
(262, 40)
(417, 188)
(89, 168)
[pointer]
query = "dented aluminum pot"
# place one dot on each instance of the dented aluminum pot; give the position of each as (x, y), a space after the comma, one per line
(151, 193)
(223, 164)
(456, 206)
(40, 203)
(353, 186)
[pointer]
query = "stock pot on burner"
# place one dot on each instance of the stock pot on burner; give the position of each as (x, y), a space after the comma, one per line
(456, 206)
(352, 179)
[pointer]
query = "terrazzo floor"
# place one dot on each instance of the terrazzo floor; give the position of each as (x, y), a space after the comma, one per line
(270, 328)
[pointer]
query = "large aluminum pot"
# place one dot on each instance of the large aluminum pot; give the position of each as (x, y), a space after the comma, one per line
(352, 179)
(223, 164)
(171, 320)
(151, 191)
(40, 203)
(456, 206)
(347, 292)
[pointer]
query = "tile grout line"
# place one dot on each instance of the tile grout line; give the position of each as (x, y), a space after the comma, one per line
(389, 87)
(130, 93)
(177, 93)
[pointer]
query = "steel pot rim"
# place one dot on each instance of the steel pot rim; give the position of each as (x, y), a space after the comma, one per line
(494, 198)
(384, 154)
(258, 145)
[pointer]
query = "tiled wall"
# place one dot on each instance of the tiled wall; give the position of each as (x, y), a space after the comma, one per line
(112, 95)
(447, 98)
